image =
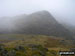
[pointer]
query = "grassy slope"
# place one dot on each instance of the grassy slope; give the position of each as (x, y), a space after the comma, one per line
(50, 42)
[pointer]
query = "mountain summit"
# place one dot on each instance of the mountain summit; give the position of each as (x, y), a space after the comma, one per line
(38, 23)
(42, 23)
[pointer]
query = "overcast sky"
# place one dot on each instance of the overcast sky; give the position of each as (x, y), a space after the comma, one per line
(63, 10)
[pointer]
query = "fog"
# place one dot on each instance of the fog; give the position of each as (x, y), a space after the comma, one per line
(62, 10)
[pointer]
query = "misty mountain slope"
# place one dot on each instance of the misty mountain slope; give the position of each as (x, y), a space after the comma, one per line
(70, 27)
(42, 23)
(5, 24)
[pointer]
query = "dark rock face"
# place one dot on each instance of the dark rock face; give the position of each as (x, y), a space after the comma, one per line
(12, 53)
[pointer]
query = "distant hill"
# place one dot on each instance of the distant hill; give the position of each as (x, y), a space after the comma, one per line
(42, 23)
(7, 24)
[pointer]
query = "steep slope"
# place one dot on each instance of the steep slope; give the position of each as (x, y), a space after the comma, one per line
(42, 23)
(70, 27)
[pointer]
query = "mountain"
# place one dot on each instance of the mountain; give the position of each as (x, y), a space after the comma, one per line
(41, 23)
(70, 27)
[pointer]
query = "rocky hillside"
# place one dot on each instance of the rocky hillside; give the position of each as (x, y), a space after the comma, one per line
(38, 23)
(42, 23)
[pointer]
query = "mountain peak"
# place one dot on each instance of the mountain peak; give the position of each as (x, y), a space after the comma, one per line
(42, 12)
(40, 23)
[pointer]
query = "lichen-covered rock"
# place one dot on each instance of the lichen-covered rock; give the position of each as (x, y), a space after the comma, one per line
(2, 47)
(4, 53)
(12, 53)
(20, 48)
(42, 53)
